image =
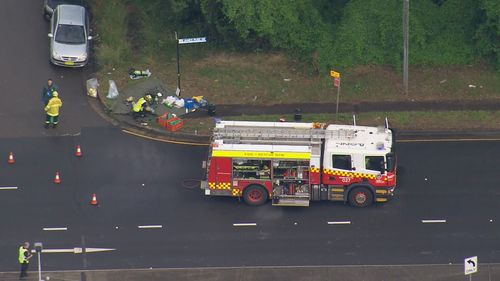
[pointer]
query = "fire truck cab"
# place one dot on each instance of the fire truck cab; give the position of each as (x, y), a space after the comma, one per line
(292, 164)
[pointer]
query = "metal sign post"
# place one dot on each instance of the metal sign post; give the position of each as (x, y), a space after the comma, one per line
(184, 41)
(336, 83)
(178, 91)
(38, 249)
(470, 266)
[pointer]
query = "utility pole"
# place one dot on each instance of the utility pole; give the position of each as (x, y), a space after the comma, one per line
(406, 16)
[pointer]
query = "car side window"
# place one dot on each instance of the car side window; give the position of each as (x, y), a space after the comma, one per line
(342, 162)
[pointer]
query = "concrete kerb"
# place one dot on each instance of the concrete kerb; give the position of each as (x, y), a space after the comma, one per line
(98, 106)
(444, 272)
(139, 130)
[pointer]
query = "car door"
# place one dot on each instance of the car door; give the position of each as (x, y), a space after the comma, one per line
(53, 24)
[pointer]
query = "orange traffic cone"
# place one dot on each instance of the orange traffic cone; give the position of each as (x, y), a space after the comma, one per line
(57, 178)
(11, 158)
(94, 200)
(78, 152)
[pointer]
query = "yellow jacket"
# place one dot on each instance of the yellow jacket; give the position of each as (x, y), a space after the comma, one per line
(53, 106)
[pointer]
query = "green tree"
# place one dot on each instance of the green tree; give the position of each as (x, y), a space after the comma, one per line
(488, 32)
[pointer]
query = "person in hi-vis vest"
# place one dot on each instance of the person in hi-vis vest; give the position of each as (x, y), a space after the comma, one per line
(24, 258)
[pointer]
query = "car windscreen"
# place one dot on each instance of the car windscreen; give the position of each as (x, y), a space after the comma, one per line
(54, 3)
(70, 34)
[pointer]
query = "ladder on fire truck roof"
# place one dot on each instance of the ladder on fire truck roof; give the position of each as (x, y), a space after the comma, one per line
(271, 135)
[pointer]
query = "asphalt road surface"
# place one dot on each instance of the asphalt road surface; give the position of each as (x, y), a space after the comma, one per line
(24, 53)
(445, 209)
(445, 206)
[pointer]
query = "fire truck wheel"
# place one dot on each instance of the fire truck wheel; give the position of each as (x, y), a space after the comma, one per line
(360, 197)
(255, 195)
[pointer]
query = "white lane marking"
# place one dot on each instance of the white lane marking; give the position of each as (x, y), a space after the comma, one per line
(150, 226)
(245, 224)
(433, 221)
(55, 228)
(339, 222)
(75, 250)
(8, 188)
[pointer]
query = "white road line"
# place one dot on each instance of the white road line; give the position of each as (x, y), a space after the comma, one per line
(245, 224)
(433, 221)
(339, 222)
(55, 228)
(150, 226)
(8, 188)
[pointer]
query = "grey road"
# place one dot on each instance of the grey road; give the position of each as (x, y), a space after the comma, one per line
(444, 210)
(445, 207)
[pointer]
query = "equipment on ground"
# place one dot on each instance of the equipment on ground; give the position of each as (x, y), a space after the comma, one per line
(137, 74)
(295, 163)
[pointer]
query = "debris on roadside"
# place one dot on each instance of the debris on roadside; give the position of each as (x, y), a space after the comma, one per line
(472, 86)
(190, 104)
(113, 90)
(92, 85)
(443, 81)
(138, 74)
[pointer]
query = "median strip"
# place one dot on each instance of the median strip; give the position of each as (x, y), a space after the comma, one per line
(245, 224)
(433, 221)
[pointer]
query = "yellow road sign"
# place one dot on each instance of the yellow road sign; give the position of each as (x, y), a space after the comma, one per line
(334, 74)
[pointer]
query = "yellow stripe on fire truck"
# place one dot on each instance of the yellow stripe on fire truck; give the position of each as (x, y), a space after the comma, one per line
(235, 192)
(261, 154)
(348, 174)
(222, 185)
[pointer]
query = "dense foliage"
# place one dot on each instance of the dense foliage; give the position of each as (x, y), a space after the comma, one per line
(341, 33)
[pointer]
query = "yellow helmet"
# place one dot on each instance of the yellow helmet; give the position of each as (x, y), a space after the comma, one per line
(55, 94)
(148, 97)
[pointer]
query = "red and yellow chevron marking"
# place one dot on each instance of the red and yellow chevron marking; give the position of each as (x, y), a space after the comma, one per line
(236, 192)
(314, 170)
(348, 174)
(222, 185)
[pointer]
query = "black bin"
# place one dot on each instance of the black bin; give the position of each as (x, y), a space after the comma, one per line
(298, 115)
(211, 108)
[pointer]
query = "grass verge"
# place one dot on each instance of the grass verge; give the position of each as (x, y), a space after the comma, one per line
(416, 120)
(130, 37)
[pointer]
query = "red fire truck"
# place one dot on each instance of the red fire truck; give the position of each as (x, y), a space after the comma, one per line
(292, 163)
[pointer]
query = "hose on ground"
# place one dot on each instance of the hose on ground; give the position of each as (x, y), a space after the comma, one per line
(191, 183)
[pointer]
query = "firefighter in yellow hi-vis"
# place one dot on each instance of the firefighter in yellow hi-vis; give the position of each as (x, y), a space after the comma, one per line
(52, 110)
(24, 259)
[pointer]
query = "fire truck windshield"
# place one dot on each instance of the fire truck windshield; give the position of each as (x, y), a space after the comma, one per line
(391, 162)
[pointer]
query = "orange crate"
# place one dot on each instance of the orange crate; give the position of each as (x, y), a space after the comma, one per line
(164, 119)
(174, 124)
